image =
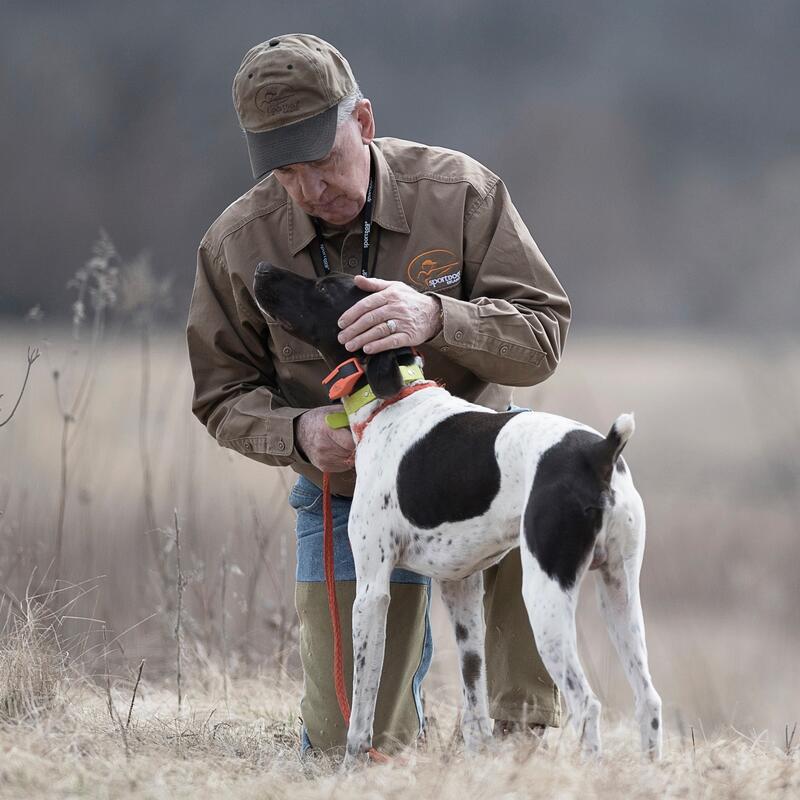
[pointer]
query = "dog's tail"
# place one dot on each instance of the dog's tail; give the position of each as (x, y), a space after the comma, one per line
(607, 451)
(622, 430)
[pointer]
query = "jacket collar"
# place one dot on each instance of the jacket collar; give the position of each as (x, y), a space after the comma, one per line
(388, 212)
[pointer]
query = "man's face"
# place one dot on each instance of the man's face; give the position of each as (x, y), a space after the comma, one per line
(335, 187)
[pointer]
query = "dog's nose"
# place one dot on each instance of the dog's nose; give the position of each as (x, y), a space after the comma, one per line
(264, 268)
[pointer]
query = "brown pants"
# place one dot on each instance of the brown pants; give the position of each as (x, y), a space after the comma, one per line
(520, 688)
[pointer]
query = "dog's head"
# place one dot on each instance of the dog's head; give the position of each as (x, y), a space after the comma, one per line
(310, 308)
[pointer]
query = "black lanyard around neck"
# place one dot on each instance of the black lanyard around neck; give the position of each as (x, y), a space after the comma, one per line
(366, 226)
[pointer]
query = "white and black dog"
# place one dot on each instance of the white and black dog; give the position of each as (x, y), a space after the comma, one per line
(446, 488)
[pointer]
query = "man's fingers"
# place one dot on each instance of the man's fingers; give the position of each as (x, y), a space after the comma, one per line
(343, 439)
(371, 284)
(362, 307)
(399, 339)
(379, 331)
(377, 317)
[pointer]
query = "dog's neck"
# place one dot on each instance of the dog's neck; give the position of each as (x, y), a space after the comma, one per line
(349, 385)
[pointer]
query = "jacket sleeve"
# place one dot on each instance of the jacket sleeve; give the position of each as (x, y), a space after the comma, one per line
(512, 328)
(235, 391)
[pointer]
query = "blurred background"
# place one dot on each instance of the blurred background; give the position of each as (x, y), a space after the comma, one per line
(653, 150)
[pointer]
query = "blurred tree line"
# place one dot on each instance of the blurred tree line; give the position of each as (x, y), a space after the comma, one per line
(653, 149)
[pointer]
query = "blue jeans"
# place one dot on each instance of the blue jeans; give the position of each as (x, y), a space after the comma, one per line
(306, 499)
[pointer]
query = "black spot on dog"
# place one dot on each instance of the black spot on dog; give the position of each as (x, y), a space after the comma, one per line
(451, 473)
(654, 724)
(461, 632)
(471, 669)
(385, 502)
(565, 508)
(621, 468)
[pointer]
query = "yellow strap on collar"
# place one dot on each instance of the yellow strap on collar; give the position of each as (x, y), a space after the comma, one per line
(360, 398)
(336, 420)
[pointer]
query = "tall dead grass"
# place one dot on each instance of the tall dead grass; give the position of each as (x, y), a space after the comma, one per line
(32, 665)
(719, 479)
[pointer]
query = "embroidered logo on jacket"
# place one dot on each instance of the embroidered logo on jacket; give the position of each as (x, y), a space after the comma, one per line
(435, 269)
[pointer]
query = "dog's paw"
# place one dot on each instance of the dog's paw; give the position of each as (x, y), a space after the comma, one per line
(354, 759)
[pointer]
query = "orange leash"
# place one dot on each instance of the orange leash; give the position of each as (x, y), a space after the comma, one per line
(333, 607)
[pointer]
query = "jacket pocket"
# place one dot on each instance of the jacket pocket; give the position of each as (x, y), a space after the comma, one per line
(288, 348)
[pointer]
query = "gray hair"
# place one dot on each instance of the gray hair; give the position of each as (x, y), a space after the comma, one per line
(347, 104)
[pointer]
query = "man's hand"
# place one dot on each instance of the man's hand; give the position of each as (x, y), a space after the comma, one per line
(395, 315)
(327, 449)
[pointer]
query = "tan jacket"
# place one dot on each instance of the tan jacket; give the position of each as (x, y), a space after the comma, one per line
(445, 224)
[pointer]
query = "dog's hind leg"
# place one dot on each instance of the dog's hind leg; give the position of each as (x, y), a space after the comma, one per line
(369, 639)
(618, 595)
(551, 610)
(464, 601)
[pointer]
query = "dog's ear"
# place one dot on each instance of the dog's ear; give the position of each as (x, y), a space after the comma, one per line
(383, 374)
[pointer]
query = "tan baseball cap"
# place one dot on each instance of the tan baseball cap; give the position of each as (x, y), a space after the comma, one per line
(286, 94)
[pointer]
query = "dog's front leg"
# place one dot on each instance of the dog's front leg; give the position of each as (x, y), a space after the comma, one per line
(369, 639)
(464, 601)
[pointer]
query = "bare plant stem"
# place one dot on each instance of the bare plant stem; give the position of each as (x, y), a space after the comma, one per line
(112, 711)
(790, 738)
(254, 574)
(224, 597)
(109, 702)
(62, 497)
(144, 453)
(33, 354)
(70, 416)
(144, 456)
(133, 696)
(180, 584)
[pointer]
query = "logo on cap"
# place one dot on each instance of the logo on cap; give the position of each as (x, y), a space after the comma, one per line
(277, 98)
(435, 269)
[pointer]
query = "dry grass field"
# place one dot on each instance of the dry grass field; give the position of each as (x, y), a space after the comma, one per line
(714, 456)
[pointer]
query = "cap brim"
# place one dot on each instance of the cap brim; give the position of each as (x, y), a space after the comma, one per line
(307, 140)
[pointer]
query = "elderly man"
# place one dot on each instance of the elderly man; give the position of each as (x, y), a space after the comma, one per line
(451, 269)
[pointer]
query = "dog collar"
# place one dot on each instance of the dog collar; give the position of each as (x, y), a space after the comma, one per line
(365, 395)
(343, 380)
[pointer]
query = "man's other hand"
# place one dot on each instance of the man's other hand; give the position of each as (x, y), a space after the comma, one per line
(327, 449)
(394, 315)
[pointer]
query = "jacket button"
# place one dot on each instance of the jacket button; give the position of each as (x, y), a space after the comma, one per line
(504, 350)
(287, 351)
(458, 335)
(248, 445)
(352, 262)
(281, 445)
